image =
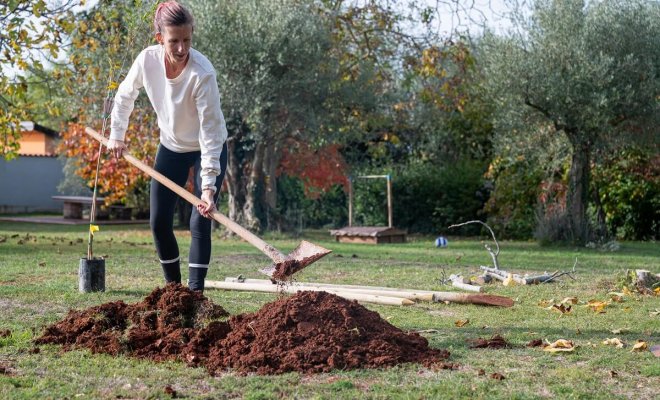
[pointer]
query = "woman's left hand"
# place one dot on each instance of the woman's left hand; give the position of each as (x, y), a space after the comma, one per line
(207, 207)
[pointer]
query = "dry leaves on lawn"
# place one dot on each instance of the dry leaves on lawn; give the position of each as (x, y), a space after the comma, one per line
(640, 346)
(614, 342)
(461, 322)
(561, 345)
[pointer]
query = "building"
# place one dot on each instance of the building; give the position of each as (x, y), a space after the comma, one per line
(29, 181)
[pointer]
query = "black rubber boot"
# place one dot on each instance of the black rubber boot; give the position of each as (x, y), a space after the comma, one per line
(196, 278)
(172, 272)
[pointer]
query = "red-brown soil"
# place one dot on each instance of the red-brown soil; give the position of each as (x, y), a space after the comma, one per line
(308, 332)
(496, 342)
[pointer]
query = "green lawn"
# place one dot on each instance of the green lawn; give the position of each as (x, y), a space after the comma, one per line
(39, 280)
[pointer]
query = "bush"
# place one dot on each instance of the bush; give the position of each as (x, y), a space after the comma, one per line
(512, 203)
(328, 210)
(428, 198)
(628, 185)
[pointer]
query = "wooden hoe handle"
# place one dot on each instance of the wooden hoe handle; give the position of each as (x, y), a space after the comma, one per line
(250, 237)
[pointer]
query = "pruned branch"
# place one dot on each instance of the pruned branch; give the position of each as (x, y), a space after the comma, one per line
(493, 254)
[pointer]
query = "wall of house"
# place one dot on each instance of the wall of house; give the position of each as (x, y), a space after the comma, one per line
(35, 143)
(27, 184)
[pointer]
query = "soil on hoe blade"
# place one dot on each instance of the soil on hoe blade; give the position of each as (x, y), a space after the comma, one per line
(308, 332)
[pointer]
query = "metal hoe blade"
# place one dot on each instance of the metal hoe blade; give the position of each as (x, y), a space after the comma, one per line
(303, 255)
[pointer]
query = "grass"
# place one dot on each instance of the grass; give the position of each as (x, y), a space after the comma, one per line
(38, 285)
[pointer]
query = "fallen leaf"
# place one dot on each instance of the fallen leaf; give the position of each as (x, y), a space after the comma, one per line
(535, 343)
(509, 281)
(498, 376)
(620, 331)
(561, 345)
(563, 309)
(656, 350)
(614, 342)
(656, 291)
(481, 372)
(626, 291)
(617, 297)
(613, 374)
(42, 264)
(496, 342)
(640, 346)
(655, 313)
(569, 300)
(578, 331)
(546, 303)
(597, 306)
(461, 322)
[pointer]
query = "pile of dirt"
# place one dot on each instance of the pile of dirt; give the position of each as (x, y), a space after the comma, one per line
(316, 332)
(170, 323)
(308, 332)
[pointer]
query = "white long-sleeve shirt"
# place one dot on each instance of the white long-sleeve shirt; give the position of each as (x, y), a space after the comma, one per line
(187, 107)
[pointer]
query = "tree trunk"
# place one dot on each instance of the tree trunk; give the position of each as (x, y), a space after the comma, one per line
(251, 209)
(235, 181)
(272, 158)
(578, 191)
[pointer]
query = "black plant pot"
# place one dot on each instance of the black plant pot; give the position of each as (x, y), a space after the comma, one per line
(91, 275)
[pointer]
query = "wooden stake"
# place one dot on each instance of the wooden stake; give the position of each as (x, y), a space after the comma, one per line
(410, 294)
(329, 285)
(349, 295)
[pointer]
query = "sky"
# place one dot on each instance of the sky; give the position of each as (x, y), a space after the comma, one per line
(472, 15)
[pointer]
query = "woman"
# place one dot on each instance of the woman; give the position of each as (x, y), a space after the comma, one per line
(181, 85)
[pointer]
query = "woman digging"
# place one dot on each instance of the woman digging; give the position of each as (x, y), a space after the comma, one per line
(181, 85)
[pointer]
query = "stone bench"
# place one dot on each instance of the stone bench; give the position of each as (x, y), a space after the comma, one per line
(73, 205)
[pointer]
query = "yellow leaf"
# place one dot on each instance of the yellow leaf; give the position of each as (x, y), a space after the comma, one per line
(571, 300)
(112, 85)
(545, 303)
(93, 228)
(626, 291)
(657, 291)
(461, 322)
(509, 281)
(614, 342)
(597, 306)
(640, 346)
(561, 345)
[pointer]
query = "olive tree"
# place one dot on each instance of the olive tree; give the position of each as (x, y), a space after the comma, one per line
(270, 61)
(585, 74)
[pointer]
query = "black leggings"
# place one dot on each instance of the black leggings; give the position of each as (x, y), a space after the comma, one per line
(176, 166)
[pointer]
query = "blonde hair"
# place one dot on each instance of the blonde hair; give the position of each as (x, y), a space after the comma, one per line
(171, 13)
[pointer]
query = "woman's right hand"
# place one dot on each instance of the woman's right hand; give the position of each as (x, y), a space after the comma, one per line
(116, 147)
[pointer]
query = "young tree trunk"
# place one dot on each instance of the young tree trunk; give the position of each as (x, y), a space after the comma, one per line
(578, 191)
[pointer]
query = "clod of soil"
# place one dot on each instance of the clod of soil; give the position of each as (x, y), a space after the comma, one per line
(496, 342)
(535, 343)
(308, 332)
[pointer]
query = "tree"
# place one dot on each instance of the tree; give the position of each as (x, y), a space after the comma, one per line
(585, 70)
(33, 35)
(104, 42)
(270, 61)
